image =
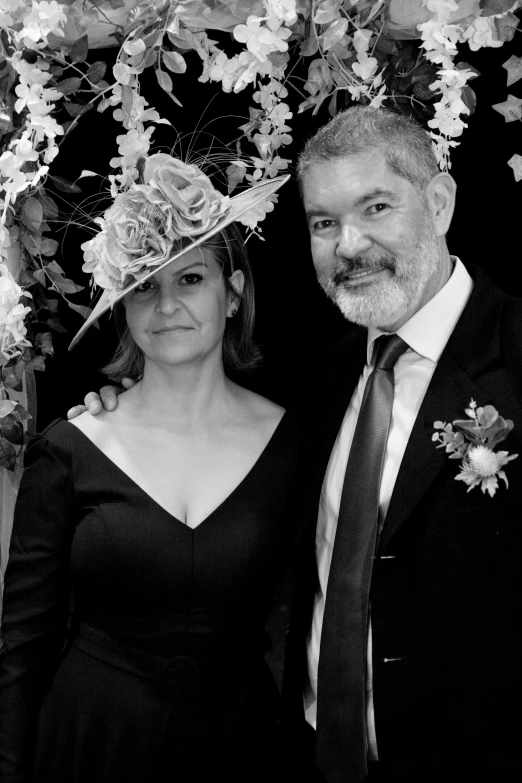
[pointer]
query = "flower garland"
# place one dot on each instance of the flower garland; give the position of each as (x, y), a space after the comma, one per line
(397, 53)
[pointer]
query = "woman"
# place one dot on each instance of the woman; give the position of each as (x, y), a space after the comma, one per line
(168, 518)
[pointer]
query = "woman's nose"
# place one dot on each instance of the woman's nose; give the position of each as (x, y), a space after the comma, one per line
(167, 301)
(352, 241)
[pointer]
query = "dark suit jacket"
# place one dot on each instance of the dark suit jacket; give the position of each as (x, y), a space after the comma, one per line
(446, 591)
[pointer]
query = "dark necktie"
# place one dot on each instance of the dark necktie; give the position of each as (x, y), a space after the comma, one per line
(341, 705)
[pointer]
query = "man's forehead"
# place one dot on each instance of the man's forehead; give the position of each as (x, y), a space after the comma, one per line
(358, 177)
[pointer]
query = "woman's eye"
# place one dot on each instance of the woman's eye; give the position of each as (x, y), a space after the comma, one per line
(145, 287)
(191, 279)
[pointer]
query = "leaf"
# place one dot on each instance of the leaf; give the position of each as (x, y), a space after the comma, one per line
(75, 109)
(12, 430)
(96, 71)
(516, 164)
(164, 80)
(469, 98)
(327, 11)
(66, 286)
(513, 67)
(40, 276)
(19, 413)
(334, 33)
(369, 13)
(12, 376)
(422, 91)
(38, 362)
(386, 45)
(87, 173)
(506, 27)
(494, 7)
(235, 175)
(32, 213)
(511, 109)
(127, 98)
(7, 454)
(6, 407)
(65, 186)
(310, 46)
(174, 62)
(44, 342)
(68, 86)
(134, 46)
(405, 58)
(115, 4)
(50, 207)
(56, 326)
(150, 58)
(79, 50)
(48, 246)
(81, 309)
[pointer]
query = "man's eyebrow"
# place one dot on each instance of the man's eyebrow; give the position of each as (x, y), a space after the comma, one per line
(314, 211)
(375, 193)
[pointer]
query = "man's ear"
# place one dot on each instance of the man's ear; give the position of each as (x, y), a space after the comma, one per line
(440, 194)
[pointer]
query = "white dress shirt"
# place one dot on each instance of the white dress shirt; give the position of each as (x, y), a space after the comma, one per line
(426, 333)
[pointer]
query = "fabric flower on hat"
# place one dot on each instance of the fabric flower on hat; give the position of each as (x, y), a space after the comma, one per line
(197, 205)
(174, 201)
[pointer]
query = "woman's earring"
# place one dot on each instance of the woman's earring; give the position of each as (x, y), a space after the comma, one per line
(233, 312)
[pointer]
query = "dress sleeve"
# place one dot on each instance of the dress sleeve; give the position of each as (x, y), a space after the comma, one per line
(36, 600)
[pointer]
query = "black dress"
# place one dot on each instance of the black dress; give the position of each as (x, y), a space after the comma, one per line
(195, 600)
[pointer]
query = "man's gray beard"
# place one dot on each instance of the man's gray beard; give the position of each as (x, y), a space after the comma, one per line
(391, 299)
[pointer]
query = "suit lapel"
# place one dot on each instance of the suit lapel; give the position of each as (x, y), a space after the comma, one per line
(449, 393)
(456, 380)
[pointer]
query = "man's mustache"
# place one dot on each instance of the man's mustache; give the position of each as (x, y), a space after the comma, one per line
(362, 264)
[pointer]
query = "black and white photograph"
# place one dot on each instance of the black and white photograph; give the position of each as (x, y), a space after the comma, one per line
(260, 391)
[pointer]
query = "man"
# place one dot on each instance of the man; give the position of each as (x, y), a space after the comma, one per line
(403, 659)
(404, 651)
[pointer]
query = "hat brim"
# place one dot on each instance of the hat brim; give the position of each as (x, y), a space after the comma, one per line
(239, 204)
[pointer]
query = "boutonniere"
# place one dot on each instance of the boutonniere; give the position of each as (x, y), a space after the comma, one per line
(473, 441)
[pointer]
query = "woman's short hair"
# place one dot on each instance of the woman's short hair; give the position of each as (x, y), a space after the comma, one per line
(407, 147)
(240, 353)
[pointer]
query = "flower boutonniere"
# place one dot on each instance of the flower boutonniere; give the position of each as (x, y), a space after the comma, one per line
(473, 441)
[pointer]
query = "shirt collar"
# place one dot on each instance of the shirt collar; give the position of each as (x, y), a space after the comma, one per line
(429, 329)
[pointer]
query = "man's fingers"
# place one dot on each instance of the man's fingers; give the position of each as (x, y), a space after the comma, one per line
(108, 396)
(93, 403)
(75, 411)
(127, 383)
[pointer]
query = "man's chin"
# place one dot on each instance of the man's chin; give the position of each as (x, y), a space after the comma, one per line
(369, 311)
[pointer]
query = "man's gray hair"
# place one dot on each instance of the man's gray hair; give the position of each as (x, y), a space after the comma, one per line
(407, 147)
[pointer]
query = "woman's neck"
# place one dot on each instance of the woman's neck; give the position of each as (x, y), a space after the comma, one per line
(183, 397)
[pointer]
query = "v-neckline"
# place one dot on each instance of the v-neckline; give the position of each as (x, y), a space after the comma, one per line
(157, 503)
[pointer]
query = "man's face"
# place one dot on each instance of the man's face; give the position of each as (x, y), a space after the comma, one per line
(373, 241)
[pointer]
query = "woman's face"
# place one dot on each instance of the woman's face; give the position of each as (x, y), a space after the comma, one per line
(178, 315)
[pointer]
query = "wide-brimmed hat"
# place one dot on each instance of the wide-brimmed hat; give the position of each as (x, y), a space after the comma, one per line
(174, 201)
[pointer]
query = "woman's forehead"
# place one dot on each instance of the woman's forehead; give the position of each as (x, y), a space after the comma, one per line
(196, 256)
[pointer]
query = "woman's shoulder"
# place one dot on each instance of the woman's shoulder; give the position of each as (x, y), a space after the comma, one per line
(54, 440)
(63, 437)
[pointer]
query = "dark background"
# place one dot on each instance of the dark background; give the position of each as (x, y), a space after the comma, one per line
(294, 317)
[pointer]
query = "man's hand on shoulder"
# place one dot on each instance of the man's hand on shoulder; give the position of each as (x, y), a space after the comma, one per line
(106, 399)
